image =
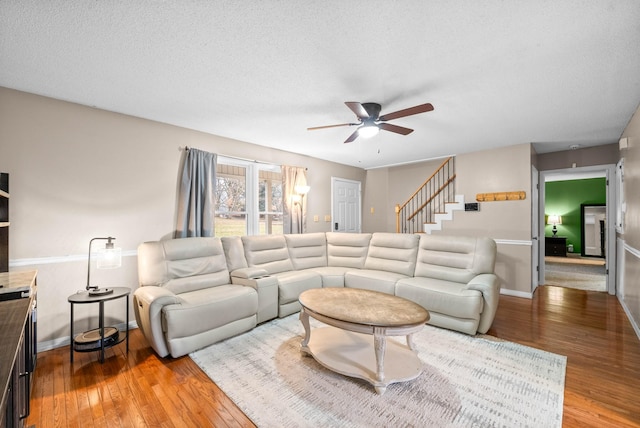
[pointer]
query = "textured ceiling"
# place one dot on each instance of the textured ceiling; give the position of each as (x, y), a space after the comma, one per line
(499, 73)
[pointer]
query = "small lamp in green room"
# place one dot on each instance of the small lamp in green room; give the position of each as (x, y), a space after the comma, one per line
(554, 219)
(109, 257)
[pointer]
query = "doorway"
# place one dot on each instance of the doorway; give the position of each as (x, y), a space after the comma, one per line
(578, 264)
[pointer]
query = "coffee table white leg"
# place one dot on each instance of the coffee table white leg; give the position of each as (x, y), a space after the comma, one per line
(304, 319)
(410, 343)
(380, 344)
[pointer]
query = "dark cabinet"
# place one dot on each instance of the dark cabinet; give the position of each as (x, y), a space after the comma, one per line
(18, 351)
(555, 246)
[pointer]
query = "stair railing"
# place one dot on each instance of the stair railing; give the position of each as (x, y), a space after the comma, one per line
(429, 199)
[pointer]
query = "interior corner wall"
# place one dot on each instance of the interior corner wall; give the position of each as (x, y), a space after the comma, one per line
(78, 172)
(630, 294)
(564, 198)
(507, 222)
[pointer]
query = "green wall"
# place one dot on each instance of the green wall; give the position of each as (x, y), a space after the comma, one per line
(564, 198)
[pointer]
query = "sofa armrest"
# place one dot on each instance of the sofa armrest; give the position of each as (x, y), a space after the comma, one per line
(147, 306)
(249, 273)
(267, 288)
(489, 285)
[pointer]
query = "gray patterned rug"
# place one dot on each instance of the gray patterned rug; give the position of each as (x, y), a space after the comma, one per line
(466, 381)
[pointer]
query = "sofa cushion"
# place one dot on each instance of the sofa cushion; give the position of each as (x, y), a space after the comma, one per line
(268, 252)
(347, 249)
(291, 284)
(376, 280)
(234, 252)
(332, 276)
(307, 250)
(183, 265)
(441, 296)
(208, 308)
(392, 252)
(459, 260)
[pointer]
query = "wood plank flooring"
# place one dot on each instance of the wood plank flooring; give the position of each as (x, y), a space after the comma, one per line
(139, 389)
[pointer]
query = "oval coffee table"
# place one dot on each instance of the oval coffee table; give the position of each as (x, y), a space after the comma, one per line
(354, 343)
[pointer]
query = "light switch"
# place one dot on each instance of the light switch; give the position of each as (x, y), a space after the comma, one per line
(372, 210)
(327, 218)
(315, 218)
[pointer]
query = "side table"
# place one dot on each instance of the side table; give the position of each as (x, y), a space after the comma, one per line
(103, 337)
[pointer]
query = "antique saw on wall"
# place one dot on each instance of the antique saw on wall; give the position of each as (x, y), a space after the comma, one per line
(370, 121)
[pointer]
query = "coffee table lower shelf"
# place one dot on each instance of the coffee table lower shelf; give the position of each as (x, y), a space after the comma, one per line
(353, 354)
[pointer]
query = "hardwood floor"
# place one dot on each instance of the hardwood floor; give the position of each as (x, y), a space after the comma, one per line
(139, 389)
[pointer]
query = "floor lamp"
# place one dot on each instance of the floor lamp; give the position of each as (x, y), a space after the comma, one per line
(301, 191)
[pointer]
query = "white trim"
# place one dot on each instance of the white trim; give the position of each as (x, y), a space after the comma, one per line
(59, 259)
(524, 294)
(635, 326)
(48, 345)
(632, 250)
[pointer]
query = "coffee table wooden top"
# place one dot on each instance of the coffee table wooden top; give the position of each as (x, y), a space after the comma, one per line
(359, 306)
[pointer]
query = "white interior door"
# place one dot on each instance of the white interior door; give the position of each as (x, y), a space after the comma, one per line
(345, 205)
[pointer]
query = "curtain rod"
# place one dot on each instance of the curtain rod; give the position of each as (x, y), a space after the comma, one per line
(186, 148)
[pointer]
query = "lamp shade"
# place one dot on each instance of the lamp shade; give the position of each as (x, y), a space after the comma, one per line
(554, 219)
(302, 190)
(109, 258)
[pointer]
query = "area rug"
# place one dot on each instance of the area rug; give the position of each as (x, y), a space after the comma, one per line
(581, 277)
(466, 382)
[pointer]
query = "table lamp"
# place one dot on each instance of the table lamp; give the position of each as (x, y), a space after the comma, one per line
(554, 219)
(109, 257)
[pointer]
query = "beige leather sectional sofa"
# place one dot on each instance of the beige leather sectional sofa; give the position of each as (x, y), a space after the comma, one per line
(196, 291)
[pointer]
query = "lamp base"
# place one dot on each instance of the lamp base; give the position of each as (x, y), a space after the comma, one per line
(100, 291)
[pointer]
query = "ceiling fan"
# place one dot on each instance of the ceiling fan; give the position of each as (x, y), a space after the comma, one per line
(370, 121)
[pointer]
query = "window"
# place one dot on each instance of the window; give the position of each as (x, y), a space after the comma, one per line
(248, 198)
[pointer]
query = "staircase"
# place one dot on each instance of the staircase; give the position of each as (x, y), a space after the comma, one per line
(432, 203)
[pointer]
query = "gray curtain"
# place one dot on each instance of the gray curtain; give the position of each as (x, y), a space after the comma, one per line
(295, 207)
(196, 195)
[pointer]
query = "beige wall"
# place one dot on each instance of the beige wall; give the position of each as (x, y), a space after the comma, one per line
(630, 295)
(77, 172)
(508, 222)
(607, 154)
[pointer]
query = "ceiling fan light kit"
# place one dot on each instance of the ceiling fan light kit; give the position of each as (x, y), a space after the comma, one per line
(368, 131)
(370, 121)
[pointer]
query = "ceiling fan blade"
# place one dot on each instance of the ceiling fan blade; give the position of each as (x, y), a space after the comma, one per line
(331, 126)
(422, 108)
(395, 128)
(352, 137)
(358, 109)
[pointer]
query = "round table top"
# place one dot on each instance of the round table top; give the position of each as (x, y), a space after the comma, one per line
(85, 297)
(359, 306)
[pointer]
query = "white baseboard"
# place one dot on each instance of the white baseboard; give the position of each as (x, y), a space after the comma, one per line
(64, 341)
(524, 294)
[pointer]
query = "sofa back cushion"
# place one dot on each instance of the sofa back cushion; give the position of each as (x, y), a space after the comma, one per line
(307, 250)
(393, 252)
(347, 249)
(234, 252)
(455, 258)
(183, 265)
(268, 252)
